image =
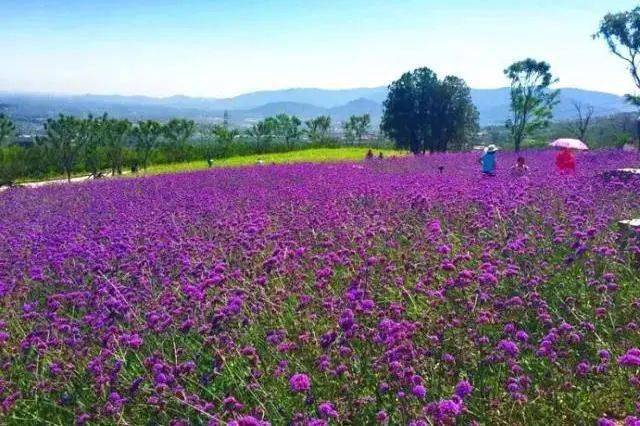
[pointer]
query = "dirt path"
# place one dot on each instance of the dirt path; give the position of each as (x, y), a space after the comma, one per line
(78, 179)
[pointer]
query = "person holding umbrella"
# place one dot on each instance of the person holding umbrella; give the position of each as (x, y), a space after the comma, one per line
(565, 160)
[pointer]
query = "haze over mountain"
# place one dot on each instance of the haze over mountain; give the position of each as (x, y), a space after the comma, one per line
(493, 105)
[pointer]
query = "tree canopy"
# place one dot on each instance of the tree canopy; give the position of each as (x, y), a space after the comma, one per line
(223, 137)
(318, 128)
(423, 113)
(356, 127)
(288, 128)
(146, 135)
(532, 99)
(177, 132)
(9, 169)
(114, 133)
(621, 31)
(262, 133)
(7, 129)
(64, 138)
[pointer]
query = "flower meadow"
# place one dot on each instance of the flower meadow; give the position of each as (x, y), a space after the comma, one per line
(407, 291)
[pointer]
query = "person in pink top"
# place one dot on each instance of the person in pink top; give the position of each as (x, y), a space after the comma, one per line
(566, 161)
(520, 168)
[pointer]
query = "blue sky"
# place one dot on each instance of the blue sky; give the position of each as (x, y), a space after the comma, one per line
(223, 48)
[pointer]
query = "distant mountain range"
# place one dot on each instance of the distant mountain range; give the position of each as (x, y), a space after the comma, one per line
(493, 105)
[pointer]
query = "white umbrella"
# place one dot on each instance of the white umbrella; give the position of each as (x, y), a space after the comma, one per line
(491, 148)
(570, 143)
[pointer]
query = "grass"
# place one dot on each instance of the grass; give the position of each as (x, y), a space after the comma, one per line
(315, 155)
(312, 155)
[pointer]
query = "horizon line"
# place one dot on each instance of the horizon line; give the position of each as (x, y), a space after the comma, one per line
(179, 95)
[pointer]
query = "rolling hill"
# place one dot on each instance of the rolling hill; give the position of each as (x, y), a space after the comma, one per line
(493, 105)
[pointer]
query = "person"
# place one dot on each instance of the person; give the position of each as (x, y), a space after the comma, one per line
(369, 155)
(381, 156)
(209, 162)
(565, 161)
(520, 168)
(488, 160)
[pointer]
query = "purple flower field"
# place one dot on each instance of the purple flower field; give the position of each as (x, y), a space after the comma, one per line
(373, 293)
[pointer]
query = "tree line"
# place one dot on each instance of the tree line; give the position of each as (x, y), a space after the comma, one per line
(94, 145)
(102, 144)
(609, 131)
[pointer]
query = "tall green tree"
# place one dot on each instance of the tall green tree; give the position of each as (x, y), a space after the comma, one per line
(288, 128)
(423, 113)
(318, 128)
(9, 167)
(64, 139)
(7, 130)
(223, 138)
(146, 135)
(356, 127)
(532, 99)
(177, 133)
(114, 134)
(262, 133)
(93, 148)
(621, 32)
(461, 115)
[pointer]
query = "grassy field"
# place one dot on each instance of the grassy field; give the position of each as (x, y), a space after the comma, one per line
(314, 155)
(308, 155)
